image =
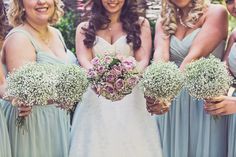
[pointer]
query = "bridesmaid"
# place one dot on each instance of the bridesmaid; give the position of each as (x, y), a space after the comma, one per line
(187, 31)
(5, 150)
(227, 106)
(34, 40)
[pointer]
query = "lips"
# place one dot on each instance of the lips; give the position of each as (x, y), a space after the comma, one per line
(42, 9)
(113, 4)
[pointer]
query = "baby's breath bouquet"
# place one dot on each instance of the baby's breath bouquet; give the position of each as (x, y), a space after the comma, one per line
(113, 76)
(162, 81)
(32, 84)
(71, 84)
(207, 78)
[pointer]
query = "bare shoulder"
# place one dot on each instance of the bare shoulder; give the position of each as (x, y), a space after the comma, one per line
(217, 11)
(143, 22)
(17, 41)
(233, 34)
(81, 26)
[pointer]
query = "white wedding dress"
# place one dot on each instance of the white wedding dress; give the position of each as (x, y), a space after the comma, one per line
(102, 128)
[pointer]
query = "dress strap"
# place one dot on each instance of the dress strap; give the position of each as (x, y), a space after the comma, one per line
(62, 40)
(28, 35)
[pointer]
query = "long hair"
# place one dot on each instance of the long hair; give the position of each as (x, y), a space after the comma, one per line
(99, 20)
(169, 15)
(3, 21)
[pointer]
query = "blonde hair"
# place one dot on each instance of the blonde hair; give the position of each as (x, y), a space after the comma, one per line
(169, 14)
(16, 13)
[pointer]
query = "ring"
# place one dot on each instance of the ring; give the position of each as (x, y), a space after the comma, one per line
(161, 111)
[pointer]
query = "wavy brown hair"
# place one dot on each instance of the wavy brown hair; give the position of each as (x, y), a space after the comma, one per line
(169, 15)
(3, 21)
(16, 13)
(99, 20)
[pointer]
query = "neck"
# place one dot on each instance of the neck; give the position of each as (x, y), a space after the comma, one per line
(114, 18)
(42, 30)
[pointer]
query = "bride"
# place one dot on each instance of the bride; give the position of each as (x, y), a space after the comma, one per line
(124, 128)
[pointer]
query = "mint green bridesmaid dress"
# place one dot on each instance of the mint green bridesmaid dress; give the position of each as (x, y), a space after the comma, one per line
(47, 127)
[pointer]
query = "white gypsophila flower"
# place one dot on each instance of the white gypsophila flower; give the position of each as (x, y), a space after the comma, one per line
(32, 83)
(72, 84)
(207, 78)
(162, 81)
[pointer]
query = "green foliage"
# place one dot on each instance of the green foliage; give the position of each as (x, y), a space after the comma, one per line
(67, 26)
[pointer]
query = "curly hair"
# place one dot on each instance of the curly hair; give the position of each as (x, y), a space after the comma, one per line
(3, 21)
(99, 20)
(16, 13)
(169, 23)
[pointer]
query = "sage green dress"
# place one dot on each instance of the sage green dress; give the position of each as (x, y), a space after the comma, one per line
(47, 127)
(5, 149)
(232, 118)
(187, 130)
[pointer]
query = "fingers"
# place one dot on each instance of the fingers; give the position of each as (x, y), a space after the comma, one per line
(159, 112)
(213, 106)
(24, 110)
(220, 111)
(157, 108)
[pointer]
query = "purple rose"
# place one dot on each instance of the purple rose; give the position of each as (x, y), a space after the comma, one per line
(107, 59)
(100, 70)
(132, 81)
(119, 84)
(109, 88)
(110, 78)
(91, 73)
(95, 61)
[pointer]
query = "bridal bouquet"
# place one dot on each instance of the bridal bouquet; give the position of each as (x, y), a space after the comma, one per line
(207, 78)
(71, 84)
(112, 76)
(162, 81)
(32, 84)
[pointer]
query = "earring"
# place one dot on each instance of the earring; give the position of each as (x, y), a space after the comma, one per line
(23, 9)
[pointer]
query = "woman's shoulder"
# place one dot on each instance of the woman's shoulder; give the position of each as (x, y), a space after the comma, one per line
(82, 25)
(17, 36)
(216, 10)
(143, 22)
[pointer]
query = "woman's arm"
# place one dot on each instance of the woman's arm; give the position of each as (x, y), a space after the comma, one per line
(213, 31)
(230, 43)
(17, 51)
(143, 54)
(161, 43)
(83, 53)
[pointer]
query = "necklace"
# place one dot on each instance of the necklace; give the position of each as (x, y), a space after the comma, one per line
(109, 29)
(180, 18)
(44, 39)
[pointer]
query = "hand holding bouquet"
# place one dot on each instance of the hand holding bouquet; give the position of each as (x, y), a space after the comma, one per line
(208, 79)
(161, 82)
(31, 84)
(113, 77)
